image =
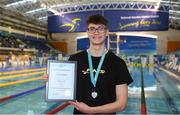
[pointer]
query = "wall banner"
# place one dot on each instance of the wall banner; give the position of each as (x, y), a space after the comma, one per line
(137, 44)
(119, 20)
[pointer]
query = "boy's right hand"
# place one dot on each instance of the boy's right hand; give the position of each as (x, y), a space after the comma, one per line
(45, 77)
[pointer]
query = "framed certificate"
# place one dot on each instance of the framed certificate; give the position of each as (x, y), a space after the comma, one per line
(61, 85)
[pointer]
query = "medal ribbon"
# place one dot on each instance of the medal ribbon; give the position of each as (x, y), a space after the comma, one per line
(94, 78)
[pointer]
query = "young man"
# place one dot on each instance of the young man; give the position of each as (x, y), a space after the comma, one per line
(102, 77)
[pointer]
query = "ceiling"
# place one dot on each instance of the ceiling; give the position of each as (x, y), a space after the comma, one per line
(39, 9)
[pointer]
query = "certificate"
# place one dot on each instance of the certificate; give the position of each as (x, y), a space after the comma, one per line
(61, 85)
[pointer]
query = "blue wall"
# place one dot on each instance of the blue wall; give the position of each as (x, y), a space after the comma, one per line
(137, 44)
(130, 45)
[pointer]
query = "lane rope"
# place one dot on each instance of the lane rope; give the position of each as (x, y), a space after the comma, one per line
(21, 71)
(61, 107)
(20, 81)
(20, 94)
(52, 107)
(143, 99)
(21, 75)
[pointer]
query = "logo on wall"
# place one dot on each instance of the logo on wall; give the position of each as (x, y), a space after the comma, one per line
(71, 25)
(139, 24)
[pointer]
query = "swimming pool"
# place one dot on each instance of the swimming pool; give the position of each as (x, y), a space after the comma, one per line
(161, 93)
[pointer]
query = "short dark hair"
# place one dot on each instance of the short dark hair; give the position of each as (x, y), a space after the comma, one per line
(97, 19)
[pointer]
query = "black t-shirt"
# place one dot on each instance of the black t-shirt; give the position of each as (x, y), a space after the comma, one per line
(113, 72)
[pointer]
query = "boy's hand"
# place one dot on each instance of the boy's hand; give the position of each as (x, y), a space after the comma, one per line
(81, 106)
(45, 77)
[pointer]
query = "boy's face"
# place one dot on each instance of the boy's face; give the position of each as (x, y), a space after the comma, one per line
(97, 33)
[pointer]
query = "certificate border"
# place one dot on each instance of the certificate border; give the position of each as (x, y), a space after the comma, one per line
(75, 76)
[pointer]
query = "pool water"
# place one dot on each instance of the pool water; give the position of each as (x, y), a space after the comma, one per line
(161, 94)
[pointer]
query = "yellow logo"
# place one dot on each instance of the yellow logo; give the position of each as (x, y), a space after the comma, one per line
(94, 70)
(71, 25)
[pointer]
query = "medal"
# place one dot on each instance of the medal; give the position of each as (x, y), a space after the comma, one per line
(94, 94)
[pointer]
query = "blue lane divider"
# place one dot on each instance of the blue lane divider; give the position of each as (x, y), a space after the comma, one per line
(29, 91)
(20, 94)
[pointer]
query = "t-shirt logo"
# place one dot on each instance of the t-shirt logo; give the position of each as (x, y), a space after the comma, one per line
(87, 71)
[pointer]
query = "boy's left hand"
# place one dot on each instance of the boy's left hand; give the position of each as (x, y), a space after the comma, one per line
(80, 106)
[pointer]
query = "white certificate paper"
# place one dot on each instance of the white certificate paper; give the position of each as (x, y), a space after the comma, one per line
(62, 80)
